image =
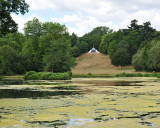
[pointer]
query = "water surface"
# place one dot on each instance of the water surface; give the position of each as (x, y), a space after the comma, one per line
(81, 102)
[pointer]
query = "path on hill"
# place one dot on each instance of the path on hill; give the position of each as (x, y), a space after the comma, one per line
(95, 63)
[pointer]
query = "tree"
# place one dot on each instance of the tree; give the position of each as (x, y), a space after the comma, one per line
(31, 48)
(7, 24)
(121, 56)
(58, 58)
(101, 30)
(15, 40)
(134, 25)
(103, 47)
(148, 58)
(7, 60)
(75, 51)
(93, 38)
(47, 46)
(147, 32)
(74, 39)
(82, 46)
(12, 59)
(33, 28)
(134, 40)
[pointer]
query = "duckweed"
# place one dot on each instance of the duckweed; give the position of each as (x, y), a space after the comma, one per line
(88, 102)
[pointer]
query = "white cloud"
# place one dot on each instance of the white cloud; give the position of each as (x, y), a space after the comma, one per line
(87, 14)
(67, 18)
(22, 20)
(83, 24)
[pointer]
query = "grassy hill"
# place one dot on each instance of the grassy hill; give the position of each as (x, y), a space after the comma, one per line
(97, 63)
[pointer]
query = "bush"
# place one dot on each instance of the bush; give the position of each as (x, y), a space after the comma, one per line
(1, 77)
(138, 75)
(32, 75)
(70, 73)
(129, 75)
(158, 76)
(90, 74)
(29, 75)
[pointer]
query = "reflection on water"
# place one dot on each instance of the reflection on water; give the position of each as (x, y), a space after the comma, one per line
(27, 93)
(111, 102)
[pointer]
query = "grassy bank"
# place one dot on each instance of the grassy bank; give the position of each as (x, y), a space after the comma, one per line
(89, 75)
(32, 75)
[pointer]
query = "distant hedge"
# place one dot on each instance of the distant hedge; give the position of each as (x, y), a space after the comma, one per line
(32, 75)
(138, 75)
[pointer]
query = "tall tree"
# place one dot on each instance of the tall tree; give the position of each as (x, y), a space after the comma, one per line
(33, 32)
(121, 56)
(47, 46)
(74, 39)
(93, 38)
(7, 24)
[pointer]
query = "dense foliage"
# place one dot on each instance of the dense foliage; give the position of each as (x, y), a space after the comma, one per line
(7, 24)
(43, 47)
(138, 75)
(123, 44)
(49, 47)
(148, 58)
(32, 75)
(12, 60)
(92, 39)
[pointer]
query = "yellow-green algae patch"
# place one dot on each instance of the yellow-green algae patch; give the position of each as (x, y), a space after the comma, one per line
(102, 104)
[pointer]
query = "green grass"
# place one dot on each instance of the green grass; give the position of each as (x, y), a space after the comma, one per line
(32, 75)
(89, 75)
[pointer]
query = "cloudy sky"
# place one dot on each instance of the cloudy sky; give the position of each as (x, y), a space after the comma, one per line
(81, 16)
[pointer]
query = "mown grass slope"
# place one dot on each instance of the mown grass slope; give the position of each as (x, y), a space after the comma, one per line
(97, 63)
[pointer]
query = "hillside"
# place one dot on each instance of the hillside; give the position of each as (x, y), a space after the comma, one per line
(95, 63)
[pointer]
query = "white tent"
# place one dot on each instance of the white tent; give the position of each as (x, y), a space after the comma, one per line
(93, 50)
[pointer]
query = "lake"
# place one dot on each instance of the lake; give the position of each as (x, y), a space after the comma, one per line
(81, 103)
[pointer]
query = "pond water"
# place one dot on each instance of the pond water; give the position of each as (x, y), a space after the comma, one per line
(81, 103)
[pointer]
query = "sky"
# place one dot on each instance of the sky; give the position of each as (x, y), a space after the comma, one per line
(81, 16)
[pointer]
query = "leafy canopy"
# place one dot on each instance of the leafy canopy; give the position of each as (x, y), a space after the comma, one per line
(7, 24)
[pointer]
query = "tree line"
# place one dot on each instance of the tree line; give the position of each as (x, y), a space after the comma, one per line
(136, 45)
(49, 47)
(42, 47)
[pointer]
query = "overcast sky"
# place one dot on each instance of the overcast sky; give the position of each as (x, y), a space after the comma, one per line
(81, 16)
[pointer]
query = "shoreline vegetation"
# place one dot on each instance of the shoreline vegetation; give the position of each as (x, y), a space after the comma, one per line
(32, 75)
(89, 75)
(1, 77)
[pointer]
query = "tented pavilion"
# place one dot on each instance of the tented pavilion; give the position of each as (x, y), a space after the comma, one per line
(93, 50)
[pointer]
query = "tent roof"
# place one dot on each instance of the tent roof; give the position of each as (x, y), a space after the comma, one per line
(93, 49)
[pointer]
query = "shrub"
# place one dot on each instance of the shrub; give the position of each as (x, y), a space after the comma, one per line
(158, 75)
(146, 75)
(29, 75)
(44, 75)
(70, 73)
(90, 74)
(47, 76)
(138, 75)
(129, 75)
(1, 77)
